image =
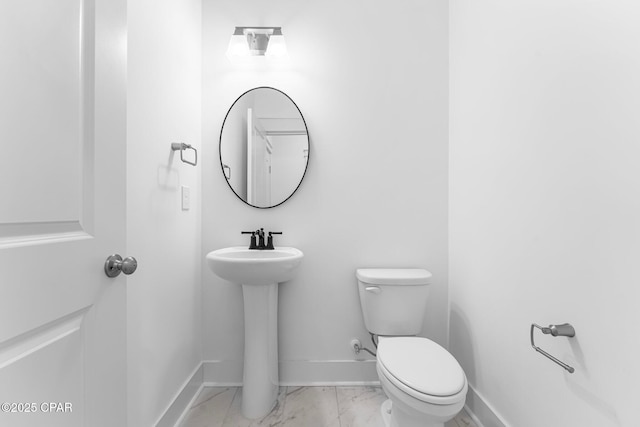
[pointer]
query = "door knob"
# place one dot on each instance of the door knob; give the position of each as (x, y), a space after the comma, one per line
(114, 265)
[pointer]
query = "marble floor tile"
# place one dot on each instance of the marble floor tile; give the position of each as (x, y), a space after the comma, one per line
(210, 407)
(298, 407)
(461, 420)
(311, 407)
(360, 406)
(234, 417)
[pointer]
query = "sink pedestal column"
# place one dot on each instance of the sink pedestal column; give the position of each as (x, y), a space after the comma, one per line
(260, 376)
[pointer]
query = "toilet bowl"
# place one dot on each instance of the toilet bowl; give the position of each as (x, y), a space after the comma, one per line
(425, 384)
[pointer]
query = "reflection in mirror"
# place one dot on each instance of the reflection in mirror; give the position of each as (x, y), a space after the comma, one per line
(264, 147)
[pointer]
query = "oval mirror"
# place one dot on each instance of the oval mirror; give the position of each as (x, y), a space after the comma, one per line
(264, 147)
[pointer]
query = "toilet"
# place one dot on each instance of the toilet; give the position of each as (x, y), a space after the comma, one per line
(425, 384)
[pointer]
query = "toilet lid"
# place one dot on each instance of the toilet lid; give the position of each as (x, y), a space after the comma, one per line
(394, 276)
(422, 365)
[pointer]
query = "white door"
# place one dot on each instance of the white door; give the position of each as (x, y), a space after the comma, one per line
(259, 151)
(62, 212)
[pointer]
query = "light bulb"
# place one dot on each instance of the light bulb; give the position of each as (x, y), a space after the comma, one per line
(277, 47)
(238, 46)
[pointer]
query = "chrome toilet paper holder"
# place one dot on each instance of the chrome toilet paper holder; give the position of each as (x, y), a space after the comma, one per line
(564, 330)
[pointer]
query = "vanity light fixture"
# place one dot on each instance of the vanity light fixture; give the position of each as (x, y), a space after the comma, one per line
(257, 41)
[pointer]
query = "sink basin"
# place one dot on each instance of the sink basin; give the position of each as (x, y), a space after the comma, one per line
(259, 272)
(255, 267)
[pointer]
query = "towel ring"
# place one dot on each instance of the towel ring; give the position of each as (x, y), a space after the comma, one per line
(225, 172)
(175, 146)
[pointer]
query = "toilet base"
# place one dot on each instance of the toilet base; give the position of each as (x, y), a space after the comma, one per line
(398, 419)
(385, 410)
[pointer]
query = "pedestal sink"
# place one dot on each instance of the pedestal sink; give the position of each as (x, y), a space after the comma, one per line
(259, 272)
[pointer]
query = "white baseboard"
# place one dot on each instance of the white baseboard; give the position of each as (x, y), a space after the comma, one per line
(183, 399)
(480, 411)
(298, 372)
(328, 372)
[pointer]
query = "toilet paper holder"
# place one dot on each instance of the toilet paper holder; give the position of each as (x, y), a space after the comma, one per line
(564, 330)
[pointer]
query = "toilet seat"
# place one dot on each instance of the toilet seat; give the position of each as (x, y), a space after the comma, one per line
(422, 369)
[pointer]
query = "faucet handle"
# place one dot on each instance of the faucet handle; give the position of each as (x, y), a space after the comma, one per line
(270, 239)
(253, 244)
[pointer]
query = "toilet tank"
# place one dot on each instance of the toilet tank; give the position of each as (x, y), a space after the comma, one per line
(393, 300)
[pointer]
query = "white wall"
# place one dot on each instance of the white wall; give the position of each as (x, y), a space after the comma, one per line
(371, 83)
(544, 206)
(164, 93)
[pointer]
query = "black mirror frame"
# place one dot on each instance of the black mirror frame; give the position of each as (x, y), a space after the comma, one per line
(220, 147)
